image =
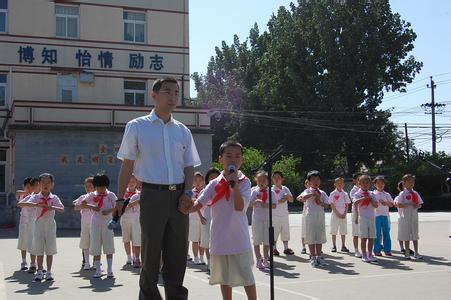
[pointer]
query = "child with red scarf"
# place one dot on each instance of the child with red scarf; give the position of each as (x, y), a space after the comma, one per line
(366, 205)
(44, 235)
(260, 217)
(228, 196)
(408, 202)
(195, 222)
(103, 203)
(315, 200)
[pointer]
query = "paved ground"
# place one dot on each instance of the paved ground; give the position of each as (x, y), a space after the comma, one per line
(345, 278)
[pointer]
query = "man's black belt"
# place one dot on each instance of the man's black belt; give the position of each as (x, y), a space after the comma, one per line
(164, 187)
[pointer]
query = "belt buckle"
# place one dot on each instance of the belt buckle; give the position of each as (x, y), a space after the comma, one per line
(172, 187)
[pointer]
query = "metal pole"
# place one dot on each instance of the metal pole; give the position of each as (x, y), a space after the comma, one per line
(407, 142)
(434, 137)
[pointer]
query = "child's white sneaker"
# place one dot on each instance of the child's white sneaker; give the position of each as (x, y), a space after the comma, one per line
(97, 274)
(49, 276)
(265, 264)
(39, 276)
(129, 261)
(196, 261)
(87, 266)
(372, 259)
(416, 256)
(365, 259)
(110, 275)
(202, 261)
(260, 264)
(23, 266)
(314, 262)
(322, 262)
(358, 254)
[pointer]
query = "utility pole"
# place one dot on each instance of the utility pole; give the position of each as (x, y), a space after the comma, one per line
(407, 142)
(432, 86)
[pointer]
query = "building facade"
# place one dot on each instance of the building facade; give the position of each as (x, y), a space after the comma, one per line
(73, 73)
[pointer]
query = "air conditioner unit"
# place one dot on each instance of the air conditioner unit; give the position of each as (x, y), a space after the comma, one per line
(86, 77)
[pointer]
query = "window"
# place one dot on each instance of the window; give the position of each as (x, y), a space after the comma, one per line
(66, 21)
(67, 88)
(135, 93)
(3, 15)
(2, 171)
(134, 27)
(2, 90)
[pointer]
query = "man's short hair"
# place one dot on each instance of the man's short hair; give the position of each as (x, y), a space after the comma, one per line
(228, 144)
(157, 84)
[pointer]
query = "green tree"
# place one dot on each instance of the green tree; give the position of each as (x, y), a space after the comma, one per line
(314, 82)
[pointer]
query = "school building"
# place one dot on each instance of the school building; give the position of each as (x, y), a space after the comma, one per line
(72, 74)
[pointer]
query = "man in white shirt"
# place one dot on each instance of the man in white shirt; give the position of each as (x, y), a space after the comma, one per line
(161, 153)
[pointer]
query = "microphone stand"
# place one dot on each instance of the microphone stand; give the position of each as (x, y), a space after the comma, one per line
(267, 166)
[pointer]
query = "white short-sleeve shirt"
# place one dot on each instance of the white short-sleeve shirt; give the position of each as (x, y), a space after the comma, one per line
(160, 150)
(339, 199)
(310, 205)
(406, 197)
(259, 212)
(51, 199)
(86, 213)
(281, 209)
(229, 228)
(382, 210)
(365, 210)
(109, 201)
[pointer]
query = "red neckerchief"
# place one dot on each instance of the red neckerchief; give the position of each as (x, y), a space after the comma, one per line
(99, 200)
(129, 194)
(365, 202)
(196, 193)
(277, 190)
(317, 191)
(222, 190)
(44, 200)
(264, 194)
(337, 196)
(413, 197)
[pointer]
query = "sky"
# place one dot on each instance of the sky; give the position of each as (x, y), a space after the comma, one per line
(212, 22)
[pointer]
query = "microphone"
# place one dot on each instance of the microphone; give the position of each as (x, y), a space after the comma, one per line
(232, 169)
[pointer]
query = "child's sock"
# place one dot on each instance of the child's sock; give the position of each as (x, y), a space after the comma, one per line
(97, 265)
(24, 260)
(110, 265)
(129, 257)
(86, 255)
(285, 245)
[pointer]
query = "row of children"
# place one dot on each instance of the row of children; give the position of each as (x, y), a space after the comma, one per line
(37, 226)
(370, 216)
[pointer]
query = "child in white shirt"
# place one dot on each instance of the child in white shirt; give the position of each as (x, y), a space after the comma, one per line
(228, 197)
(131, 226)
(385, 201)
(126, 223)
(354, 216)
(195, 222)
(339, 201)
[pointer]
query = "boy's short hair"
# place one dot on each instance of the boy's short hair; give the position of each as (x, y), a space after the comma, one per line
(277, 173)
(407, 176)
(312, 174)
(27, 180)
(209, 172)
(47, 175)
(157, 84)
(339, 179)
(101, 180)
(229, 143)
(34, 181)
(379, 177)
(365, 178)
(89, 179)
(356, 175)
(261, 173)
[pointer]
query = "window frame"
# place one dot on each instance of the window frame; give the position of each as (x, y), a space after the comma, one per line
(60, 87)
(135, 22)
(6, 19)
(134, 92)
(66, 17)
(5, 85)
